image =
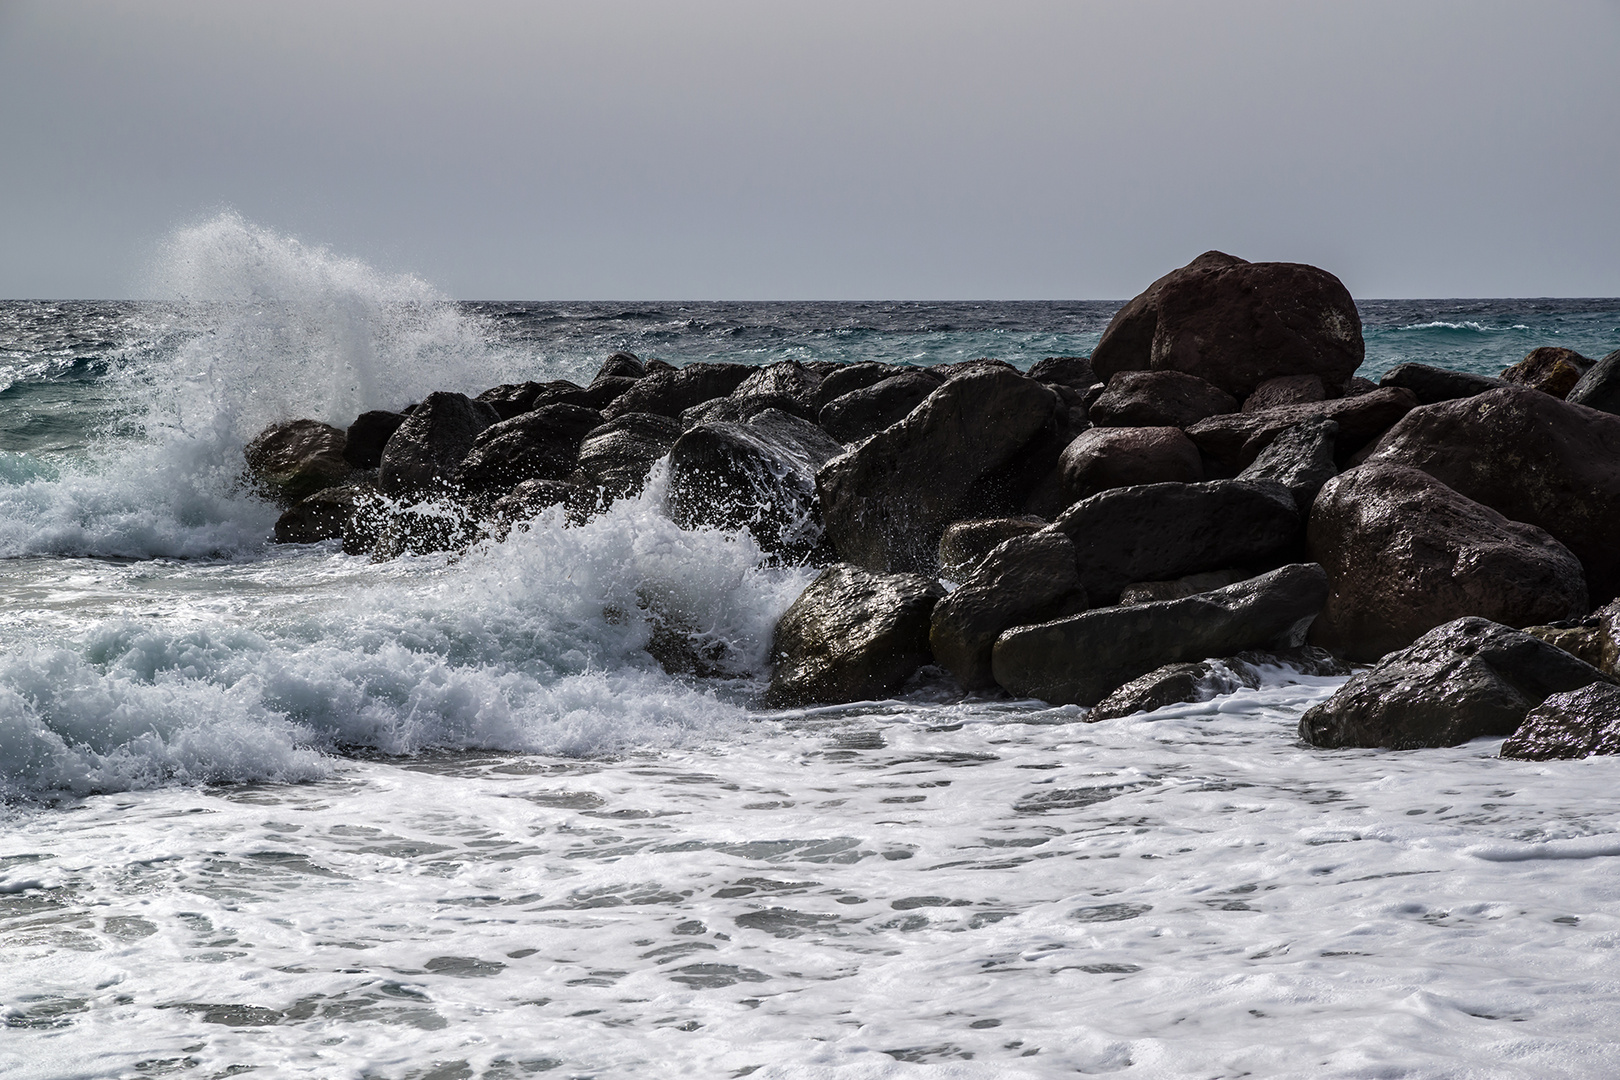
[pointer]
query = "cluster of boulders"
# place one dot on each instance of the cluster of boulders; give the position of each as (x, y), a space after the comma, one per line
(1213, 491)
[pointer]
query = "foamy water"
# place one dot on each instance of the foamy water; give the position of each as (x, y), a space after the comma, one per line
(283, 809)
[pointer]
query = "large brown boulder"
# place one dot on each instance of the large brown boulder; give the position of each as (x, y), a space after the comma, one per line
(1404, 554)
(295, 459)
(1432, 384)
(1532, 458)
(671, 392)
(1460, 681)
(1575, 724)
(851, 636)
(1599, 388)
(1105, 458)
(1550, 369)
(539, 445)
(868, 410)
(886, 502)
(1027, 579)
(616, 457)
(1158, 399)
(1154, 532)
(1083, 658)
(1237, 324)
(1236, 440)
(425, 450)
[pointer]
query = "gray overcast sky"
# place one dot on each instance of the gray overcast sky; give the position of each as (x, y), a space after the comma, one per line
(759, 150)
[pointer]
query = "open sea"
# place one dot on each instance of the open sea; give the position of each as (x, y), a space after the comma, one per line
(282, 812)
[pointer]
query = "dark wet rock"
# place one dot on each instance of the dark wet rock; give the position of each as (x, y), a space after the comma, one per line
(1575, 724)
(1105, 458)
(965, 543)
(851, 636)
(538, 445)
(1027, 579)
(295, 459)
(424, 527)
(1460, 681)
(325, 515)
(887, 501)
(736, 409)
(426, 449)
(670, 393)
(788, 379)
(364, 441)
(530, 497)
(1301, 458)
(1072, 371)
(1550, 369)
(602, 392)
(1237, 324)
(1599, 388)
(1532, 458)
(1237, 439)
(514, 399)
(1148, 592)
(617, 456)
(1595, 639)
(959, 368)
(851, 377)
(1083, 658)
(654, 365)
(621, 365)
(1205, 680)
(1432, 384)
(861, 413)
(1404, 554)
(1159, 399)
(759, 476)
(1355, 386)
(1285, 390)
(1159, 531)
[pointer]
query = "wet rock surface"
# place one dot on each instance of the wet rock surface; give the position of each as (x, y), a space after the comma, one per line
(1235, 440)
(1204, 680)
(965, 543)
(1576, 724)
(1599, 388)
(293, 460)
(1159, 399)
(851, 636)
(1460, 681)
(1432, 384)
(864, 412)
(670, 393)
(1105, 458)
(1301, 458)
(1550, 369)
(424, 451)
(1083, 658)
(1404, 554)
(618, 456)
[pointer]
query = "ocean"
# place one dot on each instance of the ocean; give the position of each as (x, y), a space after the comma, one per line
(284, 812)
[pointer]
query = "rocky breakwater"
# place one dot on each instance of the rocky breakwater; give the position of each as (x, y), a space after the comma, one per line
(1214, 490)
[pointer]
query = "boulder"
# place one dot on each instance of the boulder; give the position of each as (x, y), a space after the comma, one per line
(1158, 531)
(1159, 399)
(957, 455)
(1285, 390)
(1205, 680)
(513, 399)
(603, 391)
(426, 449)
(621, 365)
(364, 441)
(654, 365)
(422, 528)
(851, 636)
(738, 409)
(1300, 458)
(1432, 384)
(538, 445)
(1108, 457)
(852, 377)
(862, 413)
(1083, 658)
(1599, 388)
(956, 369)
(1530, 457)
(670, 393)
(617, 456)
(1237, 324)
(1072, 371)
(1575, 724)
(295, 459)
(1027, 579)
(1404, 554)
(759, 475)
(1148, 592)
(1236, 440)
(788, 379)
(1595, 639)
(325, 515)
(530, 497)
(964, 543)
(1460, 681)
(1549, 369)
